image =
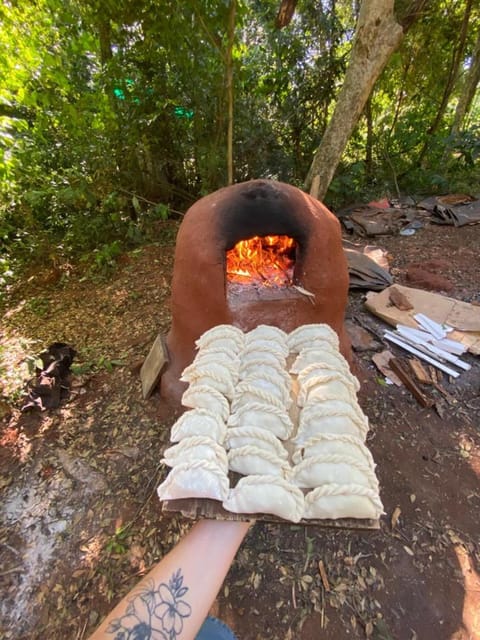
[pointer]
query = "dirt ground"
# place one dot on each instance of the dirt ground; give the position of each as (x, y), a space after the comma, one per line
(81, 522)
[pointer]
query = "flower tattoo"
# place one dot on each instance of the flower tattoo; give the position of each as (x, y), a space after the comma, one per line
(154, 612)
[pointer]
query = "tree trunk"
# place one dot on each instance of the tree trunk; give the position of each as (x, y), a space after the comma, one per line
(377, 36)
(457, 58)
(468, 92)
(229, 65)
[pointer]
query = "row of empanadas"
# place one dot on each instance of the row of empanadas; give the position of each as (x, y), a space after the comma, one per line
(199, 462)
(258, 424)
(330, 457)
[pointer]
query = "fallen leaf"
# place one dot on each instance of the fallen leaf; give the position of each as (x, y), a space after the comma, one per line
(395, 516)
(408, 550)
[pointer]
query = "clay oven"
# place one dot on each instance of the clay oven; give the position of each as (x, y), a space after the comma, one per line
(307, 283)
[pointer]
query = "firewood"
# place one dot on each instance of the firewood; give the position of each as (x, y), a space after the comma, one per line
(402, 372)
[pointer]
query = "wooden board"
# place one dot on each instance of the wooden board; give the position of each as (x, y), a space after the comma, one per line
(194, 508)
(462, 316)
(153, 366)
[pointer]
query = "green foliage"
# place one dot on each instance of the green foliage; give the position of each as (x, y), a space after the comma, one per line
(114, 115)
(118, 543)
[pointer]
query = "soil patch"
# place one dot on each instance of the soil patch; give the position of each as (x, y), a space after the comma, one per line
(81, 523)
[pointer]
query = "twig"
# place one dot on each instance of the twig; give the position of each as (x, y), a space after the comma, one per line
(323, 575)
(81, 633)
(5, 544)
(12, 570)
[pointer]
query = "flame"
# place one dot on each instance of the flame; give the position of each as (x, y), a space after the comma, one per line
(264, 260)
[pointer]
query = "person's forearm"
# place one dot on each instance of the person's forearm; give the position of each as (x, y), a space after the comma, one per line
(173, 600)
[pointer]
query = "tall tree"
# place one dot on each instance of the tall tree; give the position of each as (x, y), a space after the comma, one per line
(229, 74)
(469, 88)
(377, 36)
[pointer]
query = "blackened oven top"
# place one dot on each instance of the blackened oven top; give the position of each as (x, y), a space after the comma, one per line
(260, 209)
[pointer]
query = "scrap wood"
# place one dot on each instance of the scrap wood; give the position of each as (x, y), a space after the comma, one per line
(402, 372)
(419, 371)
(153, 366)
(323, 575)
(464, 317)
(398, 299)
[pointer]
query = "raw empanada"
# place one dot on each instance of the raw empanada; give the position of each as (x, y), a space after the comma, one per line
(196, 448)
(262, 438)
(278, 345)
(265, 353)
(343, 501)
(310, 356)
(337, 469)
(199, 422)
(197, 479)
(252, 460)
(311, 334)
(333, 416)
(206, 397)
(264, 416)
(258, 366)
(248, 394)
(273, 385)
(206, 357)
(265, 332)
(227, 346)
(221, 332)
(266, 494)
(212, 375)
(334, 444)
(323, 369)
(326, 387)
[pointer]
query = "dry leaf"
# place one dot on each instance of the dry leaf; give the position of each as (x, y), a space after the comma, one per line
(395, 516)
(413, 497)
(368, 629)
(408, 550)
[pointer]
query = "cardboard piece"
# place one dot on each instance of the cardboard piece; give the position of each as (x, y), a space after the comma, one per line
(462, 316)
(194, 508)
(153, 366)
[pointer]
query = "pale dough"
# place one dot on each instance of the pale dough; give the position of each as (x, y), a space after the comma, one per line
(241, 436)
(196, 448)
(252, 460)
(343, 501)
(199, 422)
(197, 479)
(266, 494)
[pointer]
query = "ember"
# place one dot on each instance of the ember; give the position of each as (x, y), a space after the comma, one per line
(265, 260)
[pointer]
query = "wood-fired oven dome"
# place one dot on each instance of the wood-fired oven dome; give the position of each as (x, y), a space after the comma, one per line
(200, 292)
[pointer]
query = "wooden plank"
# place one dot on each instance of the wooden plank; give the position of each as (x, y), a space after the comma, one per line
(153, 366)
(194, 508)
(402, 372)
(419, 371)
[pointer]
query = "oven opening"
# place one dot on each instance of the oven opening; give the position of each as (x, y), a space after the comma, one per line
(262, 262)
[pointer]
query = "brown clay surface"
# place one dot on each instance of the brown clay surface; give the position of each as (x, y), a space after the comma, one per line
(80, 518)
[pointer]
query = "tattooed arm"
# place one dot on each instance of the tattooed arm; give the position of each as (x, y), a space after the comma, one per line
(173, 600)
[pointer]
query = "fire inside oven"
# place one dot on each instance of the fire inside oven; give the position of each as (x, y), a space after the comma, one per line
(262, 261)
